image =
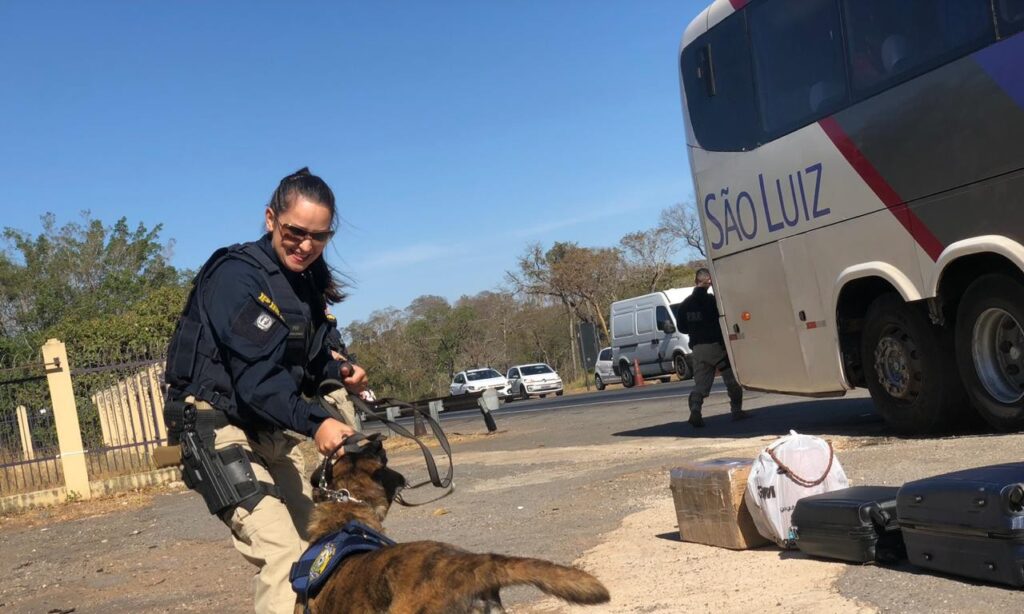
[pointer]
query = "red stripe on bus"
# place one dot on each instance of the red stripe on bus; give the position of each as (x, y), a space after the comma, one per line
(738, 4)
(867, 171)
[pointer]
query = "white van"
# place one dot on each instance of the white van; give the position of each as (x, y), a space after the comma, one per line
(645, 329)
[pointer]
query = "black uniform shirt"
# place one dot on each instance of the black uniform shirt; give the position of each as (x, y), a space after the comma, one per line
(252, 341)
(699, 318)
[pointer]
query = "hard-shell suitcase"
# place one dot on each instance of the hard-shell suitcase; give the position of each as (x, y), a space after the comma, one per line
(856, 524)
(968, 523)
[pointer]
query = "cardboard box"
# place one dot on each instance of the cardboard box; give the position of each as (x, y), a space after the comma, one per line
(709, 503)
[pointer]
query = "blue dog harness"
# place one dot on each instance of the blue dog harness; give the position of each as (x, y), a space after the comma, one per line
(320, 560)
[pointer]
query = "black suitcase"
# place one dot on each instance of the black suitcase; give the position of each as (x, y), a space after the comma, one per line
(856, 524)
(967, 523)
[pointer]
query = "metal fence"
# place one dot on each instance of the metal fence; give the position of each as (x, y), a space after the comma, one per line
(120, 413)
(29, 455)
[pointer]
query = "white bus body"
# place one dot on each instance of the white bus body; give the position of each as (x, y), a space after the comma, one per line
(859, 173)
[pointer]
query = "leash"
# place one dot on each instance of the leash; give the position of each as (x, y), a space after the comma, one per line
(428, 458)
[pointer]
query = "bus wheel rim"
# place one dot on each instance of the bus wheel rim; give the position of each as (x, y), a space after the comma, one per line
(998, 352)
(895, 356)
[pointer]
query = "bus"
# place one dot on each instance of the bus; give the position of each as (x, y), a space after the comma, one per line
(858, 167)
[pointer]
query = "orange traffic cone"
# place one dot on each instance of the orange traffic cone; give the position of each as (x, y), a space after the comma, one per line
(638, 377)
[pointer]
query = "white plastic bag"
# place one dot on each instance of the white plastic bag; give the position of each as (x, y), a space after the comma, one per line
(791, 468)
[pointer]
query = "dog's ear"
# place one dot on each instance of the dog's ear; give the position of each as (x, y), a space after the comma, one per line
(390, 480)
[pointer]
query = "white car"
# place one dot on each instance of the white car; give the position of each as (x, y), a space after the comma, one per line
(478, 380)
(536, 379)
(603, 372)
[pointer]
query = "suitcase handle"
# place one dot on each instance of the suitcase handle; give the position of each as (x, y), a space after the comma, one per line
(1015, 497)
(880, 517)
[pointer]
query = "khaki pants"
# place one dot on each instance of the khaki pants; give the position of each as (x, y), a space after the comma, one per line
(274, 535)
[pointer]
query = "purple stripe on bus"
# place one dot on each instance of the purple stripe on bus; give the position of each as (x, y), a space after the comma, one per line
(1003, 64)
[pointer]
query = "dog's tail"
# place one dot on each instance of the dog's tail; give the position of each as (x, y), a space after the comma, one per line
(568, 583)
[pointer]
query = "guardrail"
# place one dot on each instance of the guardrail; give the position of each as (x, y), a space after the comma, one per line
(484, 401)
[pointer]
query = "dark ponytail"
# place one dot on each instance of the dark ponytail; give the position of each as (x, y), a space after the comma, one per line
(314, 189)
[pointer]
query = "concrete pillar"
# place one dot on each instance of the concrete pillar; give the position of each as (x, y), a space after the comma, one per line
(155, 377)
(65, 415)
(392, 414)
(435, 409)
(28, 452)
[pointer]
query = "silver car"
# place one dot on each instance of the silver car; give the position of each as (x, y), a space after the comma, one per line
(603, 372)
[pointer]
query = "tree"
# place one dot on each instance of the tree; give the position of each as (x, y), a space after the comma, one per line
(647, 254)
(681, 222)
(79, 271)
(100, 288)
(581, 278)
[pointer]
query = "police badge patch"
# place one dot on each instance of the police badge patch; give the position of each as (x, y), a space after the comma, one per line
(321, 561)
(264, 321)
(256, 324)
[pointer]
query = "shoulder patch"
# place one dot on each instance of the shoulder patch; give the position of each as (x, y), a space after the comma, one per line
(255, 323)
(266, 300)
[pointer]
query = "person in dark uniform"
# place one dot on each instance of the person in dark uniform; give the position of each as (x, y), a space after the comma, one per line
(699, 319)
(249, 351)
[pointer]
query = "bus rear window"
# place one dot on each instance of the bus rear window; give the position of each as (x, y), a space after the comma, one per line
(719, 86)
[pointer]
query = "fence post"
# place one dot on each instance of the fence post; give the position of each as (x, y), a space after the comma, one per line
(27, 450)
(488, 401)
(392, 414)
(435, 410)
(65, 415)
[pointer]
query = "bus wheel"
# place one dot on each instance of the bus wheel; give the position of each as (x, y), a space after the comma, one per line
(990, 349)
(684, 369)
(627, 375)
(909, 367)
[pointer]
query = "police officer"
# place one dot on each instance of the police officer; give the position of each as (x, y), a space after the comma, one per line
(249, 350)
(700, 320)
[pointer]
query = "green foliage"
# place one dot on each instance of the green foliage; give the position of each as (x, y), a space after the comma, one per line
(104, 290)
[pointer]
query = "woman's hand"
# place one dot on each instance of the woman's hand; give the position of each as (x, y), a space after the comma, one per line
(352, 375)
(331, 434)
(355, 380)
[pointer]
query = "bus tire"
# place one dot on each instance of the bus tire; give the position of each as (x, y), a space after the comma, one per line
(910, 368)
(683, 366)
(627, 375)
(990, 349)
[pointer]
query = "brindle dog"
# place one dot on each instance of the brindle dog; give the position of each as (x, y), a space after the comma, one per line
(422, 577)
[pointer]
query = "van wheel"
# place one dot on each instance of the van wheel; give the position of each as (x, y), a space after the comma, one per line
(909, 367)
(683, 366)
(598, 382)
(990, 349)
(627, 375)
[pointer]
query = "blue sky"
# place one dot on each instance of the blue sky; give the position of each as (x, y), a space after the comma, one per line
(453, 133)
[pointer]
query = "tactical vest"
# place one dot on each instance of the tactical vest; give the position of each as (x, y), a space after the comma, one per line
(195, 365)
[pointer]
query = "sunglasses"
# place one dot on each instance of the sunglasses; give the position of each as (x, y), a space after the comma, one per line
(298, 235)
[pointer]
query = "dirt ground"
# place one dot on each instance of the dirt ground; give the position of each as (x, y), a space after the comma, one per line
(587, 485)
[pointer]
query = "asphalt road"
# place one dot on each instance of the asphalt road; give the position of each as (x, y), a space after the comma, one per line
(556, 479)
